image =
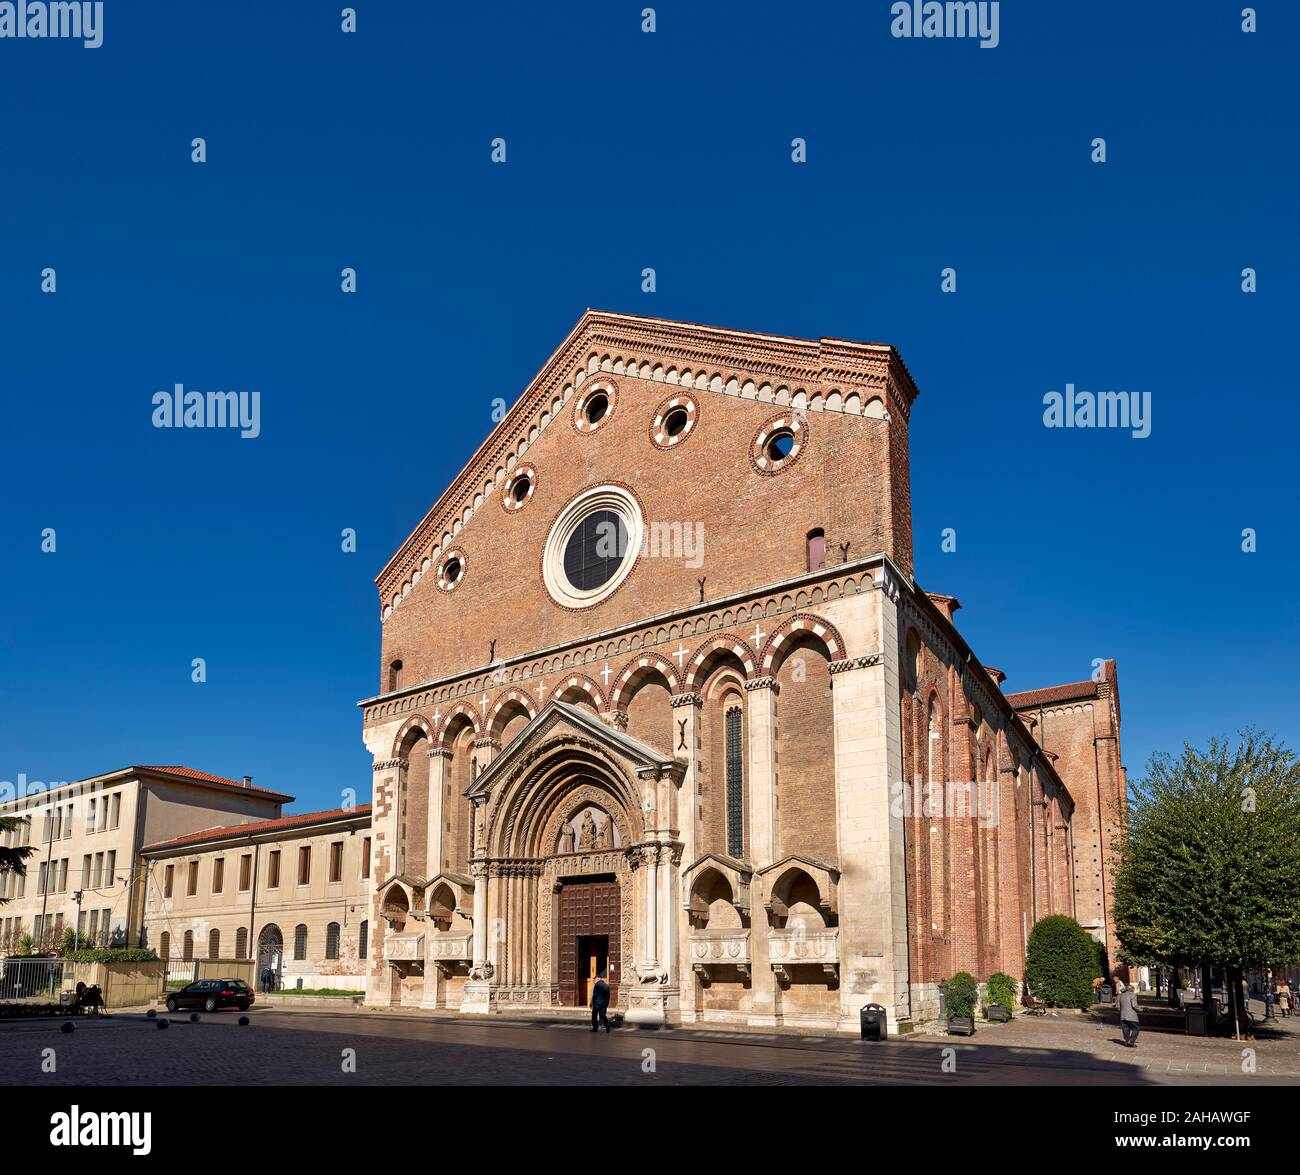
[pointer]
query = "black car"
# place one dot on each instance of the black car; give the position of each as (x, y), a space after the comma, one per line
(211, 994)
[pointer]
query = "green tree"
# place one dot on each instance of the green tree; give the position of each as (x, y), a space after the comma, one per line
(1061, 962)
(1210, 859)
(12, 860)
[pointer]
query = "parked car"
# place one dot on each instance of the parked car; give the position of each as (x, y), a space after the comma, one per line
(211, 994)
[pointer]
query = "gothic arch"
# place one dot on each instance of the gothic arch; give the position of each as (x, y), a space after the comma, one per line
(406, 736)
(460, 709)
(513, 694)
(556, 780)
(645, 665)
(734, 644)
(580, 681)
(823, 630)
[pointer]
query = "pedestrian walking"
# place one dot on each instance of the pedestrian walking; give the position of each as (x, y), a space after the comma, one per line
(1128, 1017)
(599, 1002)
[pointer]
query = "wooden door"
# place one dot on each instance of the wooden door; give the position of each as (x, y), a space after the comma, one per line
(589, 911)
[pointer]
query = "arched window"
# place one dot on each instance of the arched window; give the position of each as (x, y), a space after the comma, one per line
(394, 676)
(165, 946)
(299, 942)
(363, 940)
(735, 784)
(816, 549)
(214, 943)
(332, 941)
(241, 943)
(912, 668)
(189, 944)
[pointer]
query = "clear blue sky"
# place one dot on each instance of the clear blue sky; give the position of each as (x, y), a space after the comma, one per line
(627, 150)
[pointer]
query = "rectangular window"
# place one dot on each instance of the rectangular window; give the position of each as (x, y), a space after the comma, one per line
(304, 865)
(365, 859)
(218, 874)
(114, 809)
(47, 826)
(98, 877)
(110, 868)
(169, 876)
(63, 877)
(735, 786)
(273, 869)
(90, 814)
(67, 822)
(58, 926)
(363, 940)
(85, 871)
(41, 878)
(103, 814)
(336, 860)
(245, 873)
(193, 886)
(57, 831)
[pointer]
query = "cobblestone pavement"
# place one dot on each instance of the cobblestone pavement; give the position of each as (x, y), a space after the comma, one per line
(309, 1048)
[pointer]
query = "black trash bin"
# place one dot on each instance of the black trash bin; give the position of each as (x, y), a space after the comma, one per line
(875, 1025)
(1195, 1016)
(1105, 993)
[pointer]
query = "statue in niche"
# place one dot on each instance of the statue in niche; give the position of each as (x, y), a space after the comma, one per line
(602, 835)
(566, 838)
(587, 832)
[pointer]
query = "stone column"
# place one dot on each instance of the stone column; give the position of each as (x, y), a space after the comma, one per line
(872, 893)
(686, 813)
(439, 758)
(760, 776)
(651, 870)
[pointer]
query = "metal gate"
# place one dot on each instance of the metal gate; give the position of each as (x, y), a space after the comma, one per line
(179, 973)
(38, 980)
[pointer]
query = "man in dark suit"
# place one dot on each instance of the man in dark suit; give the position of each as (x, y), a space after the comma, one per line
(599, 1001)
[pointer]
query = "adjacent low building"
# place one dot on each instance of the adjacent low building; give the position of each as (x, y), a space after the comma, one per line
(296, 887)
(88, 834)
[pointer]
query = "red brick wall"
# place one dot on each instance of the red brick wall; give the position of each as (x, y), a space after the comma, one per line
(805, 754)
(755, 526)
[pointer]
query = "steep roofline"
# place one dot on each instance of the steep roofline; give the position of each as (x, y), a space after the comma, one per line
(786, 358)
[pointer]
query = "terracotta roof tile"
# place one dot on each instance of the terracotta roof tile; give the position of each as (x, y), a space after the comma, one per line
(284, 823)
(1028, 699)
(204, 777)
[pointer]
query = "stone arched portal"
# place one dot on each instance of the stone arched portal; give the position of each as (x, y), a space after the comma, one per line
(569, 851)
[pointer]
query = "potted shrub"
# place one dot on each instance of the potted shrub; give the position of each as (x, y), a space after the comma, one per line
(1000, 997)
(960, 994)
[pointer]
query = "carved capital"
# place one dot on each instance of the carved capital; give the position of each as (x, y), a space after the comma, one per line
(487, 742)
(439, 752)
(854, 663)
(390, 764)
(478, 869)
(691, 699)
(768, 683)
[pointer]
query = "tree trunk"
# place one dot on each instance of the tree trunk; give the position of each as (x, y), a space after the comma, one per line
(1207, 989)
(1240, 1021)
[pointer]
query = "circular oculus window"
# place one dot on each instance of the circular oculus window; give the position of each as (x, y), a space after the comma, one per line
(518, 488)
(778, 443)
(592, 547)
(673, 421)
(595, 405)
(451, 570)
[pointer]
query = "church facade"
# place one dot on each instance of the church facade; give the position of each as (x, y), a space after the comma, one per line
(661, 699)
